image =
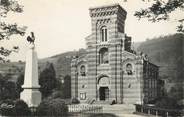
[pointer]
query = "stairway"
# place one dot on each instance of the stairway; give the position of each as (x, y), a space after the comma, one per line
(90, 101)
(117, 108)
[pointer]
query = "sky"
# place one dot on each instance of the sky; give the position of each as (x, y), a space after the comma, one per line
(62, 25)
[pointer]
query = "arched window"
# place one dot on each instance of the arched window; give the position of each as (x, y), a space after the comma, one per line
(129, 69)
(83, 70)
(103, 33)
(103, 56)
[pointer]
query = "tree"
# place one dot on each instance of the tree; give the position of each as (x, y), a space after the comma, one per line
(52, 107)
(9, 89)
(19, 83)
(67, 87)
(176, 92)
(160, 10)
(63, 89)
(7, 30)
(47, 80)
(2, 83)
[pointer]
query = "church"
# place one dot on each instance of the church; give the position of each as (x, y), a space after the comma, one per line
(111, 71)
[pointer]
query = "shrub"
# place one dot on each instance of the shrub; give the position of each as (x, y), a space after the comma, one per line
(14, 108)
(7, 108)
(167, 103)
(21, 108)
(56, 94)
(75, 101)
(52, 107)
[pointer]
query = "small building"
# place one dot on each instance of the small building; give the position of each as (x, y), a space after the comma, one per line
(111, 71)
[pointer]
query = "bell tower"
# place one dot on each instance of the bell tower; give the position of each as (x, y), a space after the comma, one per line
(104, 47)
(107, 22)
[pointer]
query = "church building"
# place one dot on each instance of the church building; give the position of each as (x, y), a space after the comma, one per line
(111, 71)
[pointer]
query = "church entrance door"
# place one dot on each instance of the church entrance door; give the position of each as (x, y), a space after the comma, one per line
(104, 93)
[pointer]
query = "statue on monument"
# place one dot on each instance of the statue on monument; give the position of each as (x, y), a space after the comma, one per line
(31, 39)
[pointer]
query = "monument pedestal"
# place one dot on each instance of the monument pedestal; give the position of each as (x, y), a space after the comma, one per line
(31, 94)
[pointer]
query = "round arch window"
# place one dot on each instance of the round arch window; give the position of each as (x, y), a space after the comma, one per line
(129, 69)
(104, 56)
(83, 70)
(103, 33)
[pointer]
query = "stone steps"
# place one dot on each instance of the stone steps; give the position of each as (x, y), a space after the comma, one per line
(131, 95)
(130, 100)
(119, 108)
(130, 91)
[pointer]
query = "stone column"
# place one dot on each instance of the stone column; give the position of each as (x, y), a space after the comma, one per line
(31, 94)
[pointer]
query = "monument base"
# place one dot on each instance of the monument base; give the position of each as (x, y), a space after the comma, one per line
(31, 96)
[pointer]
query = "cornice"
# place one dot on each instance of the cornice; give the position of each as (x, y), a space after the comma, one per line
(107, 11)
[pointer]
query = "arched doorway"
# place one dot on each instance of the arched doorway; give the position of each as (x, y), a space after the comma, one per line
(104, 93)
(103, 85)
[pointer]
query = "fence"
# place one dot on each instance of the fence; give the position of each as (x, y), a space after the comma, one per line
(85, 109)
(151, 110)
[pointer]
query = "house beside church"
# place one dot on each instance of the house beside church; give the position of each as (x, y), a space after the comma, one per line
(110, 70)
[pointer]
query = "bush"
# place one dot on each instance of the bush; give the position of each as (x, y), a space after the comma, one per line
(52, 107)
(7, 108)
(167, 103)
(14, 108)
(75, 101)
(56, 94)
(21, 108)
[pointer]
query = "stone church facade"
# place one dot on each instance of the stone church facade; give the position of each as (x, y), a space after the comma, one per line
(110, 70)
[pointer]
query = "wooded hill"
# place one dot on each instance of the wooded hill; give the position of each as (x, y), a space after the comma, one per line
(168, 53)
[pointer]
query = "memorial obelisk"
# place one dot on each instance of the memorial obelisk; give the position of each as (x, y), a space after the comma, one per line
(31, 94)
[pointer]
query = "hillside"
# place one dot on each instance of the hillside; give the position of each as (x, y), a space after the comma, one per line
(168, 53)
(61, 64)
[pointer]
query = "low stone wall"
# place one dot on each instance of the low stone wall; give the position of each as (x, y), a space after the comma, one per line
(152, 110)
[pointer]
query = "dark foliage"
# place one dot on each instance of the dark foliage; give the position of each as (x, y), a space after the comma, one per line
(14, 108)
(52, 107)
(160, 10)
(167, 103)
(19, 83)
(10, 89)
(65, 87)
(7, 108)
(21, 108)
(176, 93)
(56, 94)
(47, 80)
